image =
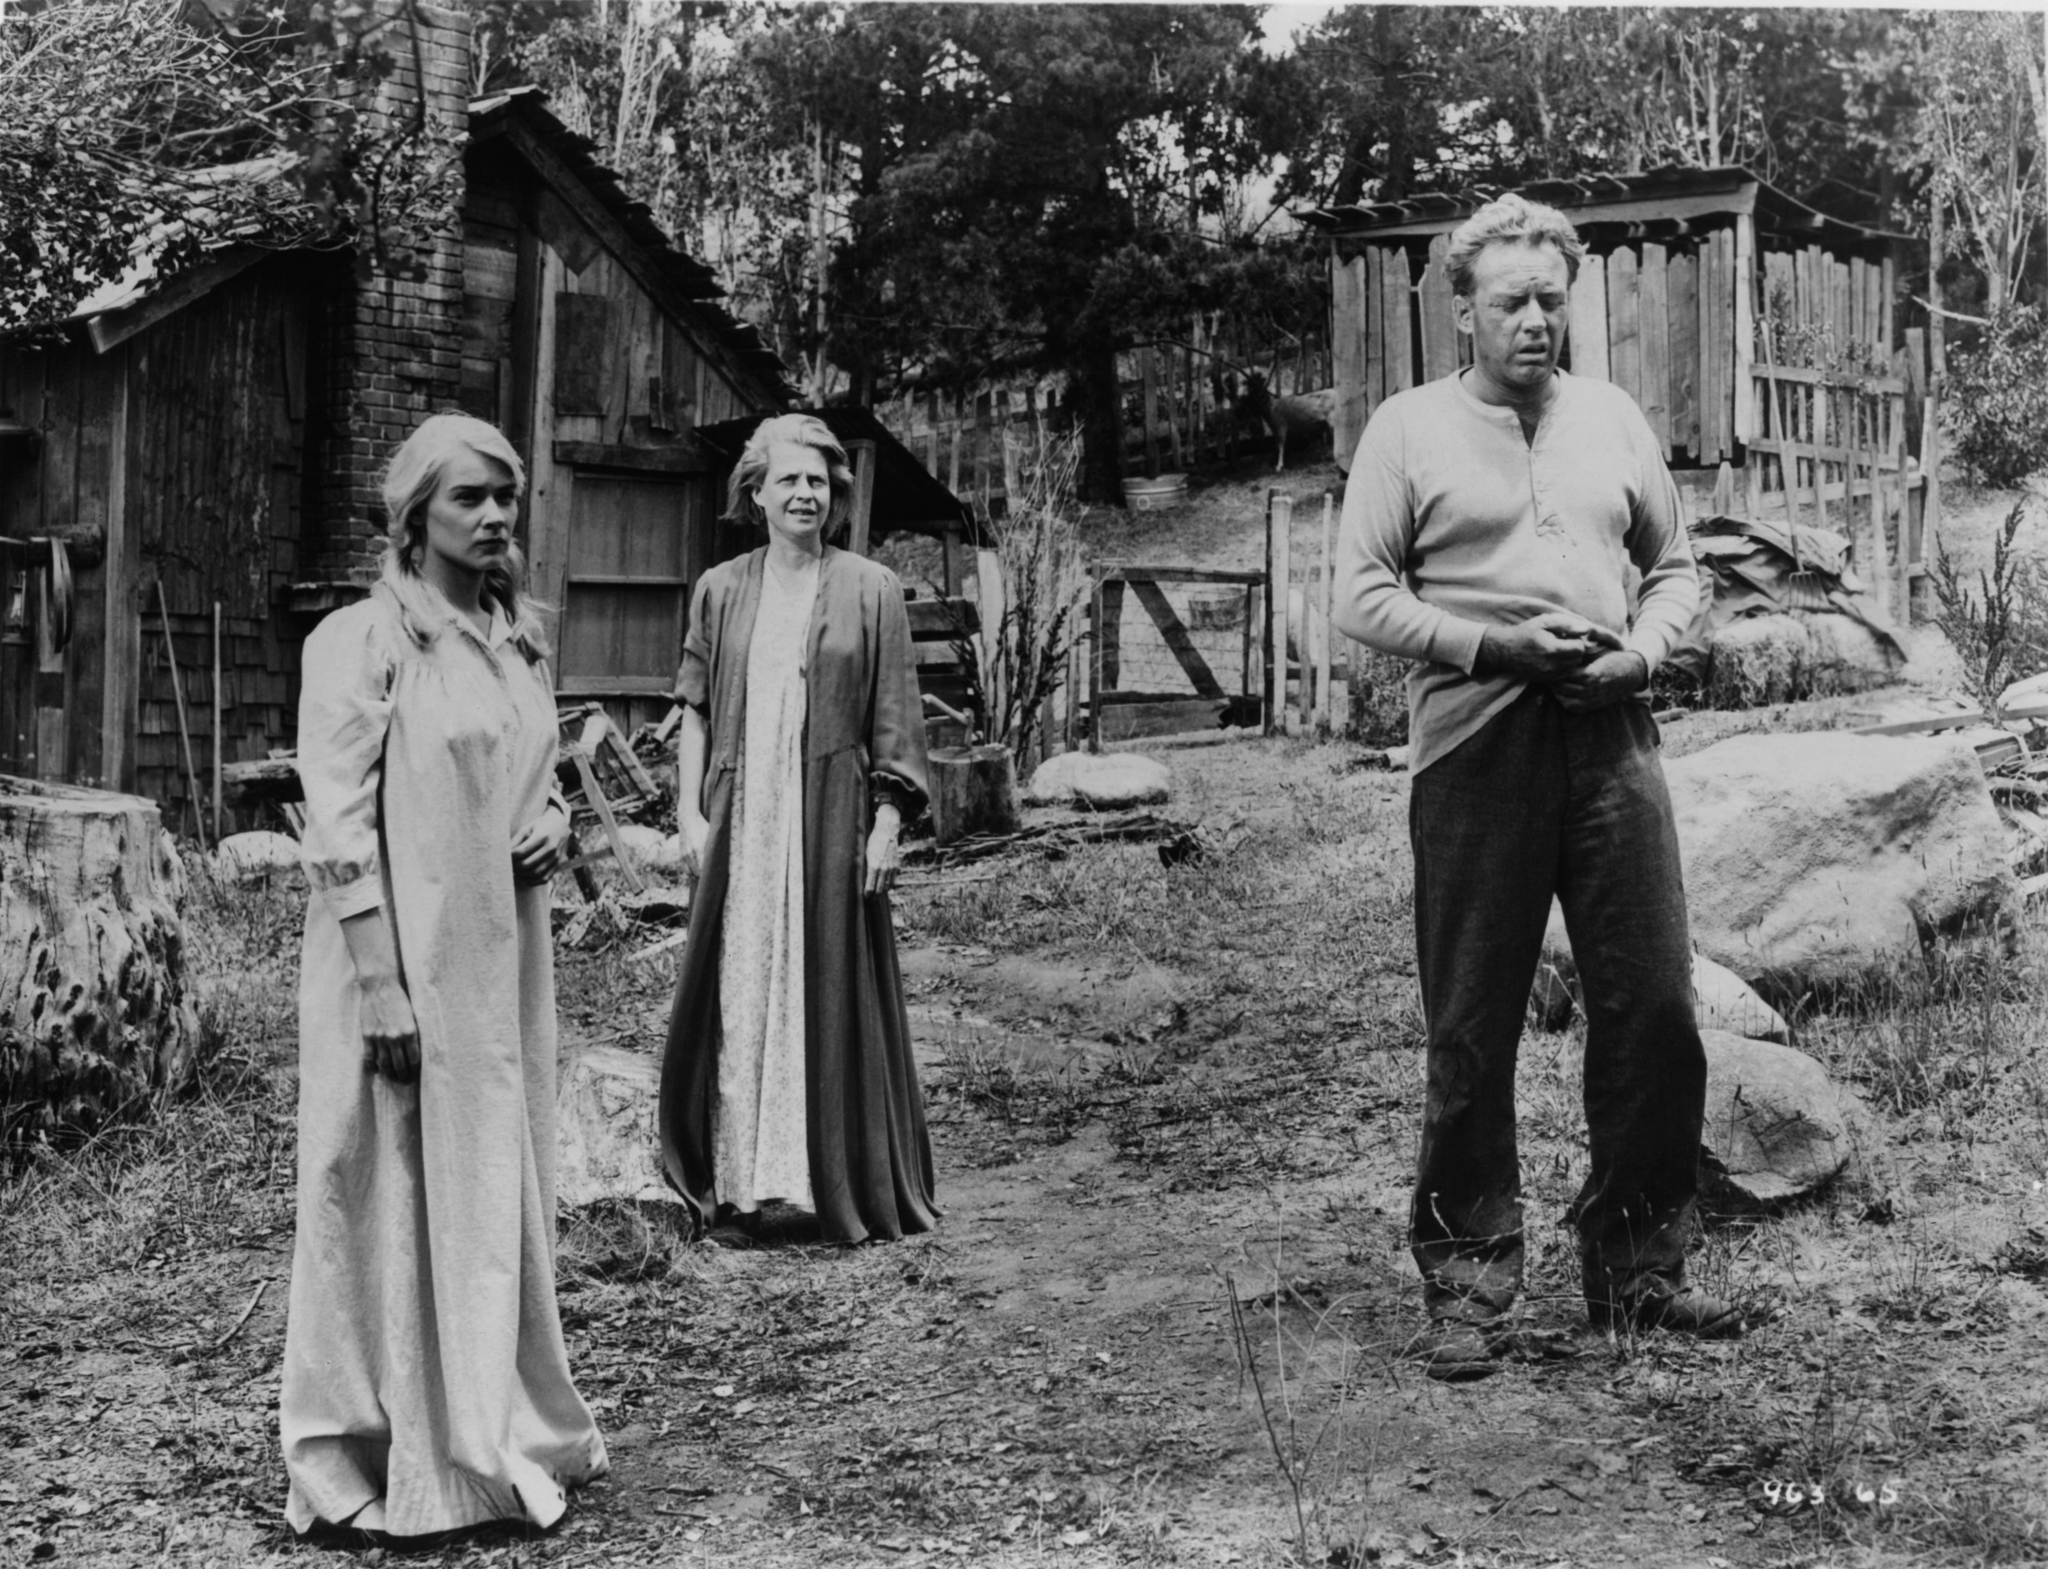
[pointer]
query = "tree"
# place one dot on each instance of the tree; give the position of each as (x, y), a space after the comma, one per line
(150, 131)
(1023, 185)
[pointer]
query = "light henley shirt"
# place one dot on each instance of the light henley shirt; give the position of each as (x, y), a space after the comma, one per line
(1454, 521)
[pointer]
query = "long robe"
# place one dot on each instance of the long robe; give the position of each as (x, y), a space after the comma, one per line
(426, 1387)
(870, 1156)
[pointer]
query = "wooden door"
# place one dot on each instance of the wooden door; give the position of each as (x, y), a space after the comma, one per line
(626, 594)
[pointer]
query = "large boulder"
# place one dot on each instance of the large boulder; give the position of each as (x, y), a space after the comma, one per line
(1099, 781)
(1774, 1127)
(1822, 860)
(1721, 999)
(607, 1143)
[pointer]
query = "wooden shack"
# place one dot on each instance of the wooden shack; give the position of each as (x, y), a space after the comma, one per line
(1753, 330)
(188, 479)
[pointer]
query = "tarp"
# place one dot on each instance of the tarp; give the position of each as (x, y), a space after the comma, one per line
(1766, 567)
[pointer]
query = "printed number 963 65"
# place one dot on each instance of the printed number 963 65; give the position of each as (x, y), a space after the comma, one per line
(1844, 1495)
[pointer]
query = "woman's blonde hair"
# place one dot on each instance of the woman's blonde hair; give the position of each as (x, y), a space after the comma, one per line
(751, 472)
(410, 480)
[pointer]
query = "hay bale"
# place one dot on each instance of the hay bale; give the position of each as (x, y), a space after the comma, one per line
(1782, 658)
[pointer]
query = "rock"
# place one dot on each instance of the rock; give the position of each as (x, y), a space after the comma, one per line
(1775, 1127)
(1757, 660)
(1103, 781)
(251, 857)
(651, 849)
(1824, 860)
(1722, 1000)
(608, 1146)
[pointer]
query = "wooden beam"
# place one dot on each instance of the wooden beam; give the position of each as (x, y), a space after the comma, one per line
(863, 517)
(1131, 571)
(546, 512)
(111, 328)
(123, 580)
(686, 457)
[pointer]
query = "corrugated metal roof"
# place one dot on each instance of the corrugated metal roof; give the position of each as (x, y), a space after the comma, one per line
(1613, 198)
(689, 277)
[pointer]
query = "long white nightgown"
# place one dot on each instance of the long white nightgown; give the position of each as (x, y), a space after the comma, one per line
(426, 1386)
(758, 1130)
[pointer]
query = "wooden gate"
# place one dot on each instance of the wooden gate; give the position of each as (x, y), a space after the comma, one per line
(1160, 680)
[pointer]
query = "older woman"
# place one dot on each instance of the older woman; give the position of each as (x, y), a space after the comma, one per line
(426, 1387)
(789, 1075)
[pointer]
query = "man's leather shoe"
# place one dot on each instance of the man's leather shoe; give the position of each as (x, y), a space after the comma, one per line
(1683, 1312)
(1455, 1349)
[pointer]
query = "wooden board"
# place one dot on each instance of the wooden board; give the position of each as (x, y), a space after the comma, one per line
(1742, 324)
(1683, 337)
(1128, 721)
(1588, 333)
(1654, 332)
(942, 617)
(1397, 322)
(1109, 633)
(1439, 323)
(1347, 350)
(582, 333)
(1375, 332)
(1624, 336)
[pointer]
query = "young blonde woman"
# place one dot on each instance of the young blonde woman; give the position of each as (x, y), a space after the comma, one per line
(426, 1387)
(788, 1075)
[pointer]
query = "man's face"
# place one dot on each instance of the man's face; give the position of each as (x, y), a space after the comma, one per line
(1521, 294)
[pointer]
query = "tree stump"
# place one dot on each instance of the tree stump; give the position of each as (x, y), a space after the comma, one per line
(94, 1018)
(974, 791)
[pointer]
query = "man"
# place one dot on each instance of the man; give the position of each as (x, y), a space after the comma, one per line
(1489, 525)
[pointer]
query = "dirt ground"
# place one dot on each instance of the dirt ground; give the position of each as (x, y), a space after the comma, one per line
(1174, 1113)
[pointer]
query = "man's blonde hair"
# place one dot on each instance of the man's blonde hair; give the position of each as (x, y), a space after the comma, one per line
(1504, 221)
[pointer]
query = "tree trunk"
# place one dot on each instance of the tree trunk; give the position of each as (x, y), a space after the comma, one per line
(94, 1018)
(1098, 405)
(974, 791)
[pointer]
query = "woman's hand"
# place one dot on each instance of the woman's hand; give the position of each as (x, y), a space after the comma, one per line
(883, 855)
(694, 830)
(391, 1035)
(537, 852)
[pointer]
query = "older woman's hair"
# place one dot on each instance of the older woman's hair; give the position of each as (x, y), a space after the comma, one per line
(751, 472)
(410, 480)
(1507, 220)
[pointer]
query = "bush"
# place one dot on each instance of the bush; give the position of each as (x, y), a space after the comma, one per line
(1998, 399)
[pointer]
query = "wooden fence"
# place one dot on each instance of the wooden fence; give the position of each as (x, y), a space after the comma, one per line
(981, 440)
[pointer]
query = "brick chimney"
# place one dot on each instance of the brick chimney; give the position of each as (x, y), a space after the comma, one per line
(390, 347)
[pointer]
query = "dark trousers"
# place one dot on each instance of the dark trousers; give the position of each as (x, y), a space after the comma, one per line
(1542, 802)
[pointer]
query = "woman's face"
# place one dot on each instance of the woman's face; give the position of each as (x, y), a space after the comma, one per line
(470, 515)
(795, 495)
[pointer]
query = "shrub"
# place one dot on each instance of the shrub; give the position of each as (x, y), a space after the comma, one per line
(2000, 631)
(1998, 399)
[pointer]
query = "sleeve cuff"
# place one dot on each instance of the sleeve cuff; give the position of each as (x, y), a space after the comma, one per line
(356, 898)
(1456, 642)
(1652, 650)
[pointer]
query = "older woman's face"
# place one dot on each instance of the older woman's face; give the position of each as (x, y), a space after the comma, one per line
(469, 517)
(795, 495)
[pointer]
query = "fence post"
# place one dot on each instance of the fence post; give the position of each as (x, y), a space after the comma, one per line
(1095, 618)
(1279, 531)
(1324, 652)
